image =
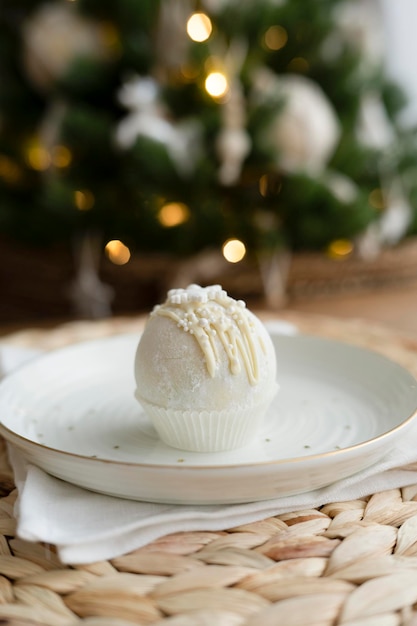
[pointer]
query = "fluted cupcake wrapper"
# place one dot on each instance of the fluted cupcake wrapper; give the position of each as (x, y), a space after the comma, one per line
(206, 431)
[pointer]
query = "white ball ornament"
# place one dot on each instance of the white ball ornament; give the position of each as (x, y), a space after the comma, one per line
(305, 132)
(53, 37)
(148, 117)
(344, 189)
(233, 145)
(361, 24)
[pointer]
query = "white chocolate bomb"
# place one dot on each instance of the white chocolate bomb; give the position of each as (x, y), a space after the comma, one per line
(205, 370)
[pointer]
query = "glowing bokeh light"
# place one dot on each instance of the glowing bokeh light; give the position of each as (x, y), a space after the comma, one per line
(9, 170)
(299, 65)
(376, 199)
(37, 157)
(275, 37)
(117, 252)
(216, 84)
(269, 185)
(173, 214)
(199, 27)
(110, 34)
(189, 72)
(340, 249)
(61, 156)
(263, 185)
(233, 250)
(84, 199)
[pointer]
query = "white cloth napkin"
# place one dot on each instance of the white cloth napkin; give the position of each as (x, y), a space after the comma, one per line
(87, 527)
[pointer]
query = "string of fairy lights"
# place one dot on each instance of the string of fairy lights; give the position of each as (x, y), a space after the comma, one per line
(199, 29)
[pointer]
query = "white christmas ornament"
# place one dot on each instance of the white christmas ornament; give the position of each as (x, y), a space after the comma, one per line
(216, 6)
(391, 226)
(342, 187)
(233, 143)
(374, 128)
(397, 216)
(90, 297)
(171, 41)
(148, 118)
(360, 24)
(54, 36)
(306, 131)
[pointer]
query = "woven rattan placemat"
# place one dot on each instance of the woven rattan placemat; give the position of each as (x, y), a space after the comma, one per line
(348, 563)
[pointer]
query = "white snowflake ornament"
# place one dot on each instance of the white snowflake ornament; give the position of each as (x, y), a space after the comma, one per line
(149, 118)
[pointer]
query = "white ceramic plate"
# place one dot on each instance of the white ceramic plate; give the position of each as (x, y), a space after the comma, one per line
(340, 409)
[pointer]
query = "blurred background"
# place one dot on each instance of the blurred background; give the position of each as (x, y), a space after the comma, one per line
(269, 145)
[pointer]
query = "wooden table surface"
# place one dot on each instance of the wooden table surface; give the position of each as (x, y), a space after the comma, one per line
(395, 307)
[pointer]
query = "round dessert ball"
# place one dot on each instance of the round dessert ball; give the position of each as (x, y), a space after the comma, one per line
(205, 370)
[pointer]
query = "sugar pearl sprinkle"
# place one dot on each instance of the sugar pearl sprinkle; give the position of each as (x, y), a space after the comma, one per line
(212, 316)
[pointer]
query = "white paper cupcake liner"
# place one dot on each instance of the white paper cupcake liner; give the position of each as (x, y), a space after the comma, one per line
(206, 431)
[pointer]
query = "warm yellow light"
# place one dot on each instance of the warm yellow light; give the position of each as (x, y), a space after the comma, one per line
(199, 27)
(269, 185)
(299, 64)
(275, 37)
(189, 72)
(111, 38)
(233, 250)
(109, 33)
(213, 63)
(84, 199)
(38, 158)
(263, 185)
(61, 156)
(117, 252)
(173, 214)
(9, 170)
(376, 199)
(216, 84)
(340, 249)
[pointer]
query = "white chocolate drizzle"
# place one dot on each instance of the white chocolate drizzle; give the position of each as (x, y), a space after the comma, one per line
(209, 313)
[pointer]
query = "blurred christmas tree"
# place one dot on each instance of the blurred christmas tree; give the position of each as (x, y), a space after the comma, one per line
(177, 125)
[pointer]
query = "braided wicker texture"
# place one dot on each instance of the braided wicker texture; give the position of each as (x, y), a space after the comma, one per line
(347, 563)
